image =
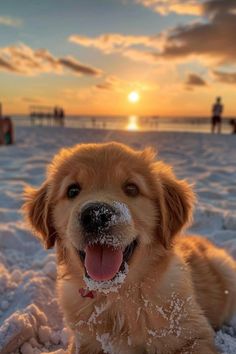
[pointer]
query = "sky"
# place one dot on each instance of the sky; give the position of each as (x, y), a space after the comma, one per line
(88, 55)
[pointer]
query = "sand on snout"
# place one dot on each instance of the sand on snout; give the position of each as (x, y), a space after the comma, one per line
(30, 320)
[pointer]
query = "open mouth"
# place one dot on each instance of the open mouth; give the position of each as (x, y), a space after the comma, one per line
(103, 262)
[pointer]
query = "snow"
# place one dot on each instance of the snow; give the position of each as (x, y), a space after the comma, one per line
(175, 313)
(124, 213)
(106, 343)
(30, 320)
(107, 286)
(225, 339)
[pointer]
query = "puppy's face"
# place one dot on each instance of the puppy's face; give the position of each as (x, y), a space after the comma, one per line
(109, 207)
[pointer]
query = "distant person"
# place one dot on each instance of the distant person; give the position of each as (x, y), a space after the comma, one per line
(217, 111)
(93, 122)
(233, 124)
(1, 131)
(56, 113)
(61, 117)
(8, 131)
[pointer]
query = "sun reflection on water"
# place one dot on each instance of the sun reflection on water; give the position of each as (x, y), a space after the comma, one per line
(133, 123)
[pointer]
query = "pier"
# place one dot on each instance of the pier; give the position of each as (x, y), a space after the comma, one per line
(49, 115)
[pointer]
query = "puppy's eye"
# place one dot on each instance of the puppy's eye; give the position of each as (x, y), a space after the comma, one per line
(73, 190)
(131, 190)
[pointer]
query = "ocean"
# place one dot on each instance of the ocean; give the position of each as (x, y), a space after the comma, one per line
(134, 123)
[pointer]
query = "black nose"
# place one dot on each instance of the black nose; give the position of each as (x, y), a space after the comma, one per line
(96, 217)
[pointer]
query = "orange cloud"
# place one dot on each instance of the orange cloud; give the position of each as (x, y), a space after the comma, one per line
(115, 42)
(5, 65)
(21, 59)
(113, 83)
(141, 56)
(227, 78)
(164, 7)
(125, 45)
(109, 84)
(74, 65)
(194, 80)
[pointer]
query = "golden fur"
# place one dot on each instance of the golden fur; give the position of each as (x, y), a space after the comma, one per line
(177, 289)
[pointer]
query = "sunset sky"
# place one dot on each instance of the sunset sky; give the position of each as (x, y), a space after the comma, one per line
(88, 55)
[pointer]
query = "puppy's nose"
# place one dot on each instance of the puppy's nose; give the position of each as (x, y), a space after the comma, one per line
(96, 217)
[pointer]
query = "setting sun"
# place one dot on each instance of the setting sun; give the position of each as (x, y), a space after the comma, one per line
(133, 97)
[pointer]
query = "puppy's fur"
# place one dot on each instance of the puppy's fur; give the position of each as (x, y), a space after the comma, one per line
(177, 290)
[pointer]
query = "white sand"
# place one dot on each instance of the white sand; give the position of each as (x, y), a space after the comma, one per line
(30, 320)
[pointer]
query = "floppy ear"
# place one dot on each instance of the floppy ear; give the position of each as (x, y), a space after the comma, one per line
(38, 213)
(175, 207)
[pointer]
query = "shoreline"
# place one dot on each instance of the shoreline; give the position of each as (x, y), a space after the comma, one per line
(135, 123)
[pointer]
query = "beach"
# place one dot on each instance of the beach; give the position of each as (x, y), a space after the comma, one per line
(30, 320)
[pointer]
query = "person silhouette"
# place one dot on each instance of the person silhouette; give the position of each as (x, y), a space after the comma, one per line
(8, 131)
(233, 124)
(217, 111)
(1, 131)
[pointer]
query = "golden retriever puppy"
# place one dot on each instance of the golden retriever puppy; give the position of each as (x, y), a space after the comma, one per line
(128, 283)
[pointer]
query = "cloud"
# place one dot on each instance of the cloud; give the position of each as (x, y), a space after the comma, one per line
(111, 83)
(195, 80)
(164, 7)
(6, 66)
(21, 59)
(10, 21)
(128, 46)
(107, 86)
(115, 42)
(213, 38)
(227, 78)
(216, 7)
(210, 39)
(138, 55)
(114, 83)
(75, 66)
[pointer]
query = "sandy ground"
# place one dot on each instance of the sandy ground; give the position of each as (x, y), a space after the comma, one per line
(30, 321)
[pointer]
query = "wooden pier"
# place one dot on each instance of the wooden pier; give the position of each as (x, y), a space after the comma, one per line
(49, 115)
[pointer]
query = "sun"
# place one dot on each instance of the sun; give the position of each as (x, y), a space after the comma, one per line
(133, 97)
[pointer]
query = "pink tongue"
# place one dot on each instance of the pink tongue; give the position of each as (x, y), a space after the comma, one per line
(102, 263)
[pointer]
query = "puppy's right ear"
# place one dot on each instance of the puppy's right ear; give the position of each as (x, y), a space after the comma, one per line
(37, 210)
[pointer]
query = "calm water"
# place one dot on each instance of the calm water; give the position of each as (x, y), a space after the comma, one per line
(135, 123)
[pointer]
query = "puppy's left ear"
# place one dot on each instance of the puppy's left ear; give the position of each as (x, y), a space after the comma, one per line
(37, 210)
(176, 206)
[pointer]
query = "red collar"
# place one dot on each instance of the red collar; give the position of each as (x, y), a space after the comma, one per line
(87, 293)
